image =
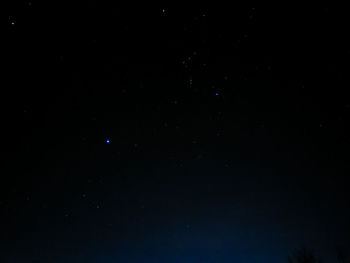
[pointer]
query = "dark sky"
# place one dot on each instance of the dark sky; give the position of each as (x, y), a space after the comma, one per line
(173, 133)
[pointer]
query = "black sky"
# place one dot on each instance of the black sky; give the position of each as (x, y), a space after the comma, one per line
(173, 133)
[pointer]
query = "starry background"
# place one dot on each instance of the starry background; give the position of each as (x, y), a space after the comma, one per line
(173, 133)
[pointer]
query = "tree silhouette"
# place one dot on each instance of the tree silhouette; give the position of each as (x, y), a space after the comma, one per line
(303, 256)
(307, 256)
(341, 257)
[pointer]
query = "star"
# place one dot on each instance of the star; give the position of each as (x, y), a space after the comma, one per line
(108, 141)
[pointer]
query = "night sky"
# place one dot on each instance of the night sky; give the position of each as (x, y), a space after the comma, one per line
(158, 133)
